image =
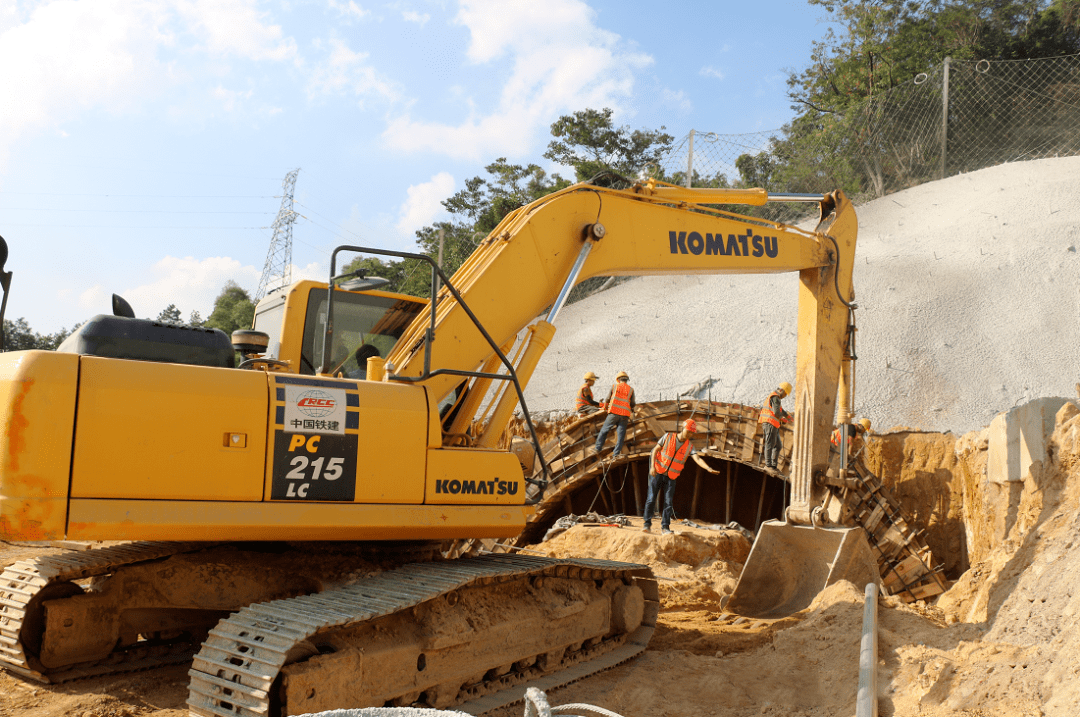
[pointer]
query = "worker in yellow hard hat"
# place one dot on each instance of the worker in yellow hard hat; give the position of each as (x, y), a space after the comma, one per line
(665, 465)
(772, 415)
(620, 406)
(855, 432)
(585, 404)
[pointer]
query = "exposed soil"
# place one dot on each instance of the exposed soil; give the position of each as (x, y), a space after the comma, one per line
(1001, 642)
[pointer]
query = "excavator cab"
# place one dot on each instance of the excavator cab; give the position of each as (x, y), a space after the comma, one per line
(369, 321)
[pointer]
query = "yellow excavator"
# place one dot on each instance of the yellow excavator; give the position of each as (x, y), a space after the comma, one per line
(283, 517)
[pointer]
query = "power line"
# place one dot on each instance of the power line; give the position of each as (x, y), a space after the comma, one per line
(122, 226)
(147, 196)
(125, 211)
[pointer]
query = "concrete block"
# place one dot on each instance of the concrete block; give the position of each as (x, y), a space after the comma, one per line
(1019, 437)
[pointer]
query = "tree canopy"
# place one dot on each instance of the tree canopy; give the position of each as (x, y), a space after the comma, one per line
(233, 309)
(588, 141)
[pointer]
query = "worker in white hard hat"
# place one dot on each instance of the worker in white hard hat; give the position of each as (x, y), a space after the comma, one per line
(666, 463)
(620, 406)
(772, 415)
(855, 432)
(585, 405)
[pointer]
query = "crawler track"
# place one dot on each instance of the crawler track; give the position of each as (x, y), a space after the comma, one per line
(25, 584)
(246, 668)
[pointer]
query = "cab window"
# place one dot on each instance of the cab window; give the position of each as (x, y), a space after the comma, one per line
(364, 325)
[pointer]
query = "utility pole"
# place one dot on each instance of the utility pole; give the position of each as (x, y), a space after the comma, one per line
(277, 272)
(690, 162)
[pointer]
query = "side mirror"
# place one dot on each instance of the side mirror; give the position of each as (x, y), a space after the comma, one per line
(120, 307)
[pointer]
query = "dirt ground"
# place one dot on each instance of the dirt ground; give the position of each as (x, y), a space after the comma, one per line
(1001, 642)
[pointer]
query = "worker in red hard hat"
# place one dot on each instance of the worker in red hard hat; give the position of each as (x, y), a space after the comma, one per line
(665, 465)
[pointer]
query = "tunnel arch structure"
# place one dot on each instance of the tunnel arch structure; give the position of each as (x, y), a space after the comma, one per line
(729, 438)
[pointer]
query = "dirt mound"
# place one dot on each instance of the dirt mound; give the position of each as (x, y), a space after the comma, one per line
(696, 567)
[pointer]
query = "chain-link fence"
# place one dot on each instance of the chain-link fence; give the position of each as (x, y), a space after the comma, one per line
(958, 117)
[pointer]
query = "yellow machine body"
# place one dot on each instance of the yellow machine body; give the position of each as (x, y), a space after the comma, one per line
(98, 447)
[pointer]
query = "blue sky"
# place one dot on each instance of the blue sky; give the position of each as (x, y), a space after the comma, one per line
(143, 143)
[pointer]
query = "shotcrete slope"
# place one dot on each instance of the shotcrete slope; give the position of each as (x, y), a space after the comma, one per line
(969, 305)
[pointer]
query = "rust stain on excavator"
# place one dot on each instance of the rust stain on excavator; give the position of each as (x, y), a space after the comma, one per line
(23, 528)
(25, 514)
(16, 427)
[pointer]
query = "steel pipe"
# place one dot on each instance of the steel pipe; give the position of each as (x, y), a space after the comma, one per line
(866, 703)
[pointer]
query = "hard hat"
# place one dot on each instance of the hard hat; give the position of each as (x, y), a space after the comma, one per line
(865, 423)
(786, 388)
(689, 425)
(622, 374)
(590, 376)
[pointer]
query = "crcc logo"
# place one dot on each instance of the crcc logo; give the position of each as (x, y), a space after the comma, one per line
(316, 404)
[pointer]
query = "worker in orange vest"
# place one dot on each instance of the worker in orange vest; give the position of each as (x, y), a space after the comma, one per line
(585, 405)
(772, 415)
(855, 433)
(666, 463)
(620, 406)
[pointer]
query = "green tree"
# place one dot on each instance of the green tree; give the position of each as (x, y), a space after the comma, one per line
(195, 320)
(846, 97)
(478, 208)
(233, 309)
(18, 336)
(170, 315)
(589, 142)
(586, 140)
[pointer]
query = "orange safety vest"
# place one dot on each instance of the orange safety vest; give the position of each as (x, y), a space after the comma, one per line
(835, 440)
(766, 412)
(671, 459)
(584, 395)
(620, 399)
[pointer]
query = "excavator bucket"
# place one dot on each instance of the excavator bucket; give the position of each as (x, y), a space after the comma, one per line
(789, 565)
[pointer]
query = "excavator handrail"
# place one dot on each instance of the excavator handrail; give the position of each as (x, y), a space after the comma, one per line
(429, 337)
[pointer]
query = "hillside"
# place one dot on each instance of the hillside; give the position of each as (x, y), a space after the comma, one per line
(968, 305)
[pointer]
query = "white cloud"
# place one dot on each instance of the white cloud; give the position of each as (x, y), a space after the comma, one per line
(348, 9)
(192, 284)
(676, 99)
(710, 71)
(235, 28)
(413, 16)
(423, 202)
(345, 71)
(560, 62)
(230, 99)
(95, 300)
(64, 57)
(189, 283)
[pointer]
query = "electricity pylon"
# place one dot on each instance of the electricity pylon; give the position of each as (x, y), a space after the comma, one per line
(277, 272)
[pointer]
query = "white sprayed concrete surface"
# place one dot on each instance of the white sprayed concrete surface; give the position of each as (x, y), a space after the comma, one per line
(969, 304)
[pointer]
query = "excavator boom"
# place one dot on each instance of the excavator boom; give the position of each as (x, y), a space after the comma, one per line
(341, 478)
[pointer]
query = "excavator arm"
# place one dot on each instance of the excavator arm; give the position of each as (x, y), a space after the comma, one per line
(528, 264)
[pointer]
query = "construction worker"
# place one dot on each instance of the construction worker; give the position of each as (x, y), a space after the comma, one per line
(665, 464)
(620, 406)
(772, 415)
(585, 405)
(855, 432)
